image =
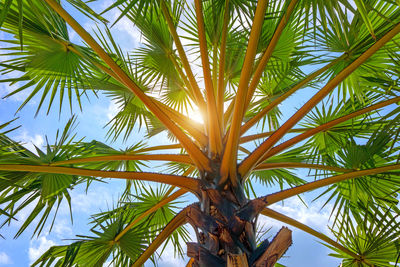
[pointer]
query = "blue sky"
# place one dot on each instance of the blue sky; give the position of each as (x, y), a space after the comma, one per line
(306, 251)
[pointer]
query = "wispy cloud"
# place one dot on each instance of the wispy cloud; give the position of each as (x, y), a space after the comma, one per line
(38, 247)
(62, 228)
(30, 141)
(99, 197)
(5, 259)
(311, 216)
(113, 109)
(6, 89)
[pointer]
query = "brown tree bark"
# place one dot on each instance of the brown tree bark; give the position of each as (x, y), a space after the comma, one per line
(225, 225)
(281, 242)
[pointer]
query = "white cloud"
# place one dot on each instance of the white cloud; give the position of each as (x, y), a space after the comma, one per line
(108, 263)
(6, 88)
(23, 214)
(99, 114)
(30, 141)
(97, 198)
(124, 27)
(311, 216)
(124, 31)
(4, 259)
(18, 97)
(62, 228)
(113, 109)
(168, 258)
(38, 247)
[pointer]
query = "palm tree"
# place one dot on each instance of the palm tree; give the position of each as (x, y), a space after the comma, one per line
(237, 63)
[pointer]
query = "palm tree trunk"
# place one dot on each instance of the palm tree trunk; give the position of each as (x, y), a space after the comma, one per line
(225, 225)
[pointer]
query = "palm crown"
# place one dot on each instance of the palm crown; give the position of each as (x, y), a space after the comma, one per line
(236, 62)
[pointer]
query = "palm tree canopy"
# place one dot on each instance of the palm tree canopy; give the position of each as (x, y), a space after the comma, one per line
(240, 65)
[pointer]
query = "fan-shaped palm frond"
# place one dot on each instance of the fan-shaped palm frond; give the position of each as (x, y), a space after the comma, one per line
(313, 84)
(374, 236)
(46, 190)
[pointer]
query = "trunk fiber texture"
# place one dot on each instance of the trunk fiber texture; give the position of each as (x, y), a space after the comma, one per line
(225, 225)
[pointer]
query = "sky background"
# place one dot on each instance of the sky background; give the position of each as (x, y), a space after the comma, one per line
(305, 251)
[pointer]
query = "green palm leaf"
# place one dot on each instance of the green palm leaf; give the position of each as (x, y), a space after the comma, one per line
(380, 189)
(373, 236)
(245, 66)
